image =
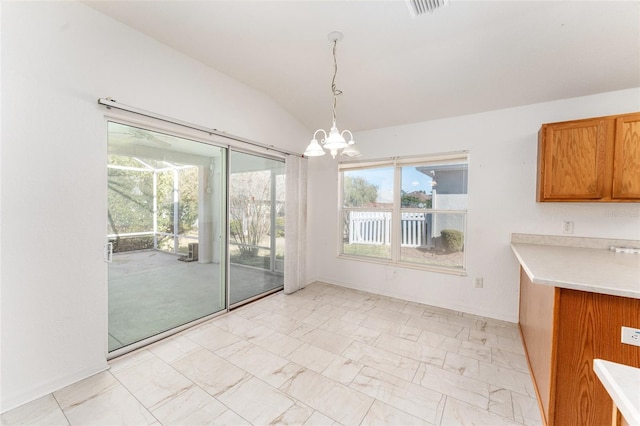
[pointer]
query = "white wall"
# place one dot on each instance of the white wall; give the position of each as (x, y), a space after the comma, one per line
(502, 184)
(57, 59)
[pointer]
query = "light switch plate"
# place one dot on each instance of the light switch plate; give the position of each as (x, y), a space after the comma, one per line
(631, 336)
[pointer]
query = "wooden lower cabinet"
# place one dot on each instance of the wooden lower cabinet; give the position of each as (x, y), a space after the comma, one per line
(563, 332)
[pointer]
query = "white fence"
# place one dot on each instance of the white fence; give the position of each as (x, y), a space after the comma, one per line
(414, 230)
(375, 228)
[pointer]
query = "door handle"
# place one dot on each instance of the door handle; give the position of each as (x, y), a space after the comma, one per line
(108, 252)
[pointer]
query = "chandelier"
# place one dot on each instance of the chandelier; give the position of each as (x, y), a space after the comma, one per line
(335, 140)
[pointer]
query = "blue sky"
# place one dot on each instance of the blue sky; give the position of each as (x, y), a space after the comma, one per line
(412, 180)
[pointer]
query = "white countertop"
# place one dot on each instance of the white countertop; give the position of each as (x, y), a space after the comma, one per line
(623, 384)
(578, 268)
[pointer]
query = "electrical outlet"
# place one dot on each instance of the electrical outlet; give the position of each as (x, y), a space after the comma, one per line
(567, 227)
(478, 282)
(631, 336)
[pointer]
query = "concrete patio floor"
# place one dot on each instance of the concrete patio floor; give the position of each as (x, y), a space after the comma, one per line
(151, 292)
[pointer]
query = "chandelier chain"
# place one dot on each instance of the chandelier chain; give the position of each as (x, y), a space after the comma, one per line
(336, 92)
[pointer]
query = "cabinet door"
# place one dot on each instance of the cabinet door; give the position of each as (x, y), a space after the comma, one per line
(538, 305)
(626, 166)
(574, 160)
(589, 328)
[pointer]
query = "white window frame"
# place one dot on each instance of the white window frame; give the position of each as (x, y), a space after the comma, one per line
(461, 157)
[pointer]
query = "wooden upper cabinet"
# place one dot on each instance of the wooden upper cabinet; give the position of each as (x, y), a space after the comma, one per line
(626, 165)
(574, 160)
(593, 160)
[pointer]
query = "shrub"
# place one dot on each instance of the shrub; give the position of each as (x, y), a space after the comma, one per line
(125, 244)
(280, 226)
(235, 227)
(244, 241)
(452, 240)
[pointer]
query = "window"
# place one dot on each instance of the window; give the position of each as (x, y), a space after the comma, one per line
(406, 211)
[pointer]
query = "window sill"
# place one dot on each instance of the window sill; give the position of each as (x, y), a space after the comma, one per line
(427, 268)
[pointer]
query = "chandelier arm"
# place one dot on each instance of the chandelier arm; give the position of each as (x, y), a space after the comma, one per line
(323, 132)
(350, 134)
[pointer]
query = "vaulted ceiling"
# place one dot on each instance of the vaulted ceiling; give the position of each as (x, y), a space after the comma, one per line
(394, 68)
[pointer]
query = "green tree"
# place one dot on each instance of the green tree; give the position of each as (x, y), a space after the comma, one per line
(250, 208)
(417, 199)
(358, 192)
(130, 207)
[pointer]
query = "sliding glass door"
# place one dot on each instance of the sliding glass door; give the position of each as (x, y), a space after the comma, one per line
(256, 226)
(166, 232)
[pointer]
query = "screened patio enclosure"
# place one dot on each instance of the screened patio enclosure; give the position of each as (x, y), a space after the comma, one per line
(171, 202)
(153, 206)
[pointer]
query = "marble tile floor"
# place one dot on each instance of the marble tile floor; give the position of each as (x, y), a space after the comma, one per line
(325, 355)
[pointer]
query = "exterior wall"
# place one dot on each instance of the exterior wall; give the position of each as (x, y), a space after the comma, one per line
(58, 58)
(452, 181)
(452, 221)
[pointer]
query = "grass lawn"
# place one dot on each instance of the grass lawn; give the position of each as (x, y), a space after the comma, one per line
(408, 255)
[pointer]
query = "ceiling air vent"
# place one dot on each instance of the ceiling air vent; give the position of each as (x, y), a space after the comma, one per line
(420, 7)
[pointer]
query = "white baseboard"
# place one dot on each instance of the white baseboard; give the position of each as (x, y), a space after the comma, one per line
(9, 402)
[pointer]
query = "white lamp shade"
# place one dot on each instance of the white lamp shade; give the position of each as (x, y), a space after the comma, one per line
(351, 150)
(314, 149)
(335, 140)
